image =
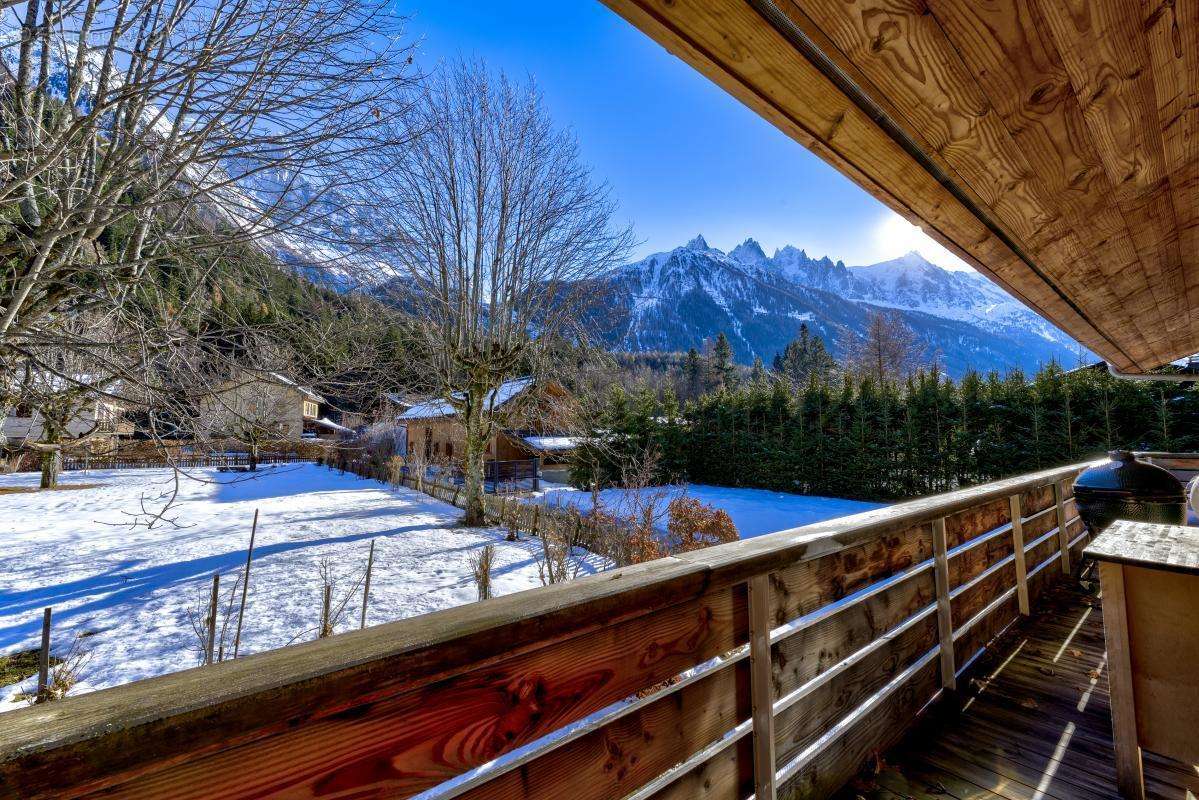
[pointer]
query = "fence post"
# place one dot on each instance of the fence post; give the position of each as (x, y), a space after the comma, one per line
(1063, 535)
(760, 687)
(536, 473)
(245, 585)
(1018, 553)
(212, 606)
(944, 606)
(43, 660)
(366, 587)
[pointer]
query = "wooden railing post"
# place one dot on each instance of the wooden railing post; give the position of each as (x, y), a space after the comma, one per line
(761, 693)
(1063, 535)
(944, 606)
(1018, 553)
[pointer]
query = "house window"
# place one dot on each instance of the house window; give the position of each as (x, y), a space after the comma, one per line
(449, 449)
(310, 408)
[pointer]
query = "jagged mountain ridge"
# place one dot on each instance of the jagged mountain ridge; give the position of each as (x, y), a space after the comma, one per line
(679, 299)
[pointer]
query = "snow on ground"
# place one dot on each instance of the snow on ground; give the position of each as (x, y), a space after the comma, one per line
(754, 511)
(129, 588)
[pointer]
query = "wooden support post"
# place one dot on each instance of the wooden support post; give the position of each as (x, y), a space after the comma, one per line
(1129, 774)
(366, 586)
(760, 685)
(944, 606)
(1063, 535)
(1018, 553)
(43, 661)
(210, 649)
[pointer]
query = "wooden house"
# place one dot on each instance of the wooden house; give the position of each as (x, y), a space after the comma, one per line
(529, 423)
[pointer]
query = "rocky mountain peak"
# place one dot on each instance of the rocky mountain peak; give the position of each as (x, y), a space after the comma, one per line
(748, 252)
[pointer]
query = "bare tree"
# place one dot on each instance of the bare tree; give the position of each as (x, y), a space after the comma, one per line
(496, 227)
(888, 350)
(67, 397)
(138, 136)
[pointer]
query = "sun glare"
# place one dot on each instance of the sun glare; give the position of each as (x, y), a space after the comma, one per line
(894, 236)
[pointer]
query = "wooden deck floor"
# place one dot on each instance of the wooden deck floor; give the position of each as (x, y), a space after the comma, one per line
(1034, 722)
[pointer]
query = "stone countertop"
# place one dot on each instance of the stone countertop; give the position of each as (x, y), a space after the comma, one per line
(1146, 544)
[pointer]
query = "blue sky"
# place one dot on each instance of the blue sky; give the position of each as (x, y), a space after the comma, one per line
(681, 155)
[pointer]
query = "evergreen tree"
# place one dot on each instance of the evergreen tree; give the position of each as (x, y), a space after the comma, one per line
(693, 373)
(803, 357)
(757, 373)
(722, 362)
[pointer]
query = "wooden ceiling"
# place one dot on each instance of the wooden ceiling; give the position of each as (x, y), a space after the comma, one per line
(1053, 144)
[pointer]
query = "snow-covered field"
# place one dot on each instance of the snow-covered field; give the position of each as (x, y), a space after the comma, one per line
(754, 511)
(129, 588)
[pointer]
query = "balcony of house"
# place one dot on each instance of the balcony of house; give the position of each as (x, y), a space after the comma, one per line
(954, 628)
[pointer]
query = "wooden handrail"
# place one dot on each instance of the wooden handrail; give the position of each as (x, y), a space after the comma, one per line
(407, 705)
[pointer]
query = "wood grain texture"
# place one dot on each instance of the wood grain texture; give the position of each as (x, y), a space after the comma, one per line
(817, 647)
(811, 585)
(403, 743)
(625, 755)
(1119, 672)
(822, 707)
(901, 53)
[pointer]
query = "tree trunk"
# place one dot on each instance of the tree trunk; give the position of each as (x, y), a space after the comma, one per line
(476, 445)
(253, 456)
(51, 464)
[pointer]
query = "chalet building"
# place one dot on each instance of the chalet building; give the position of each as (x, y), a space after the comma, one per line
(530, 424)
(270, 406)
(103, 417)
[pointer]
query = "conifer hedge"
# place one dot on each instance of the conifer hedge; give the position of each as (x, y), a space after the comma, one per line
(859, 439)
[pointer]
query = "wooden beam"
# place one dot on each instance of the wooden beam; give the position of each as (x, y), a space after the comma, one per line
(1063, 533)
(944, 609)
(1129, 773)
(762, 696)
(1018, 555)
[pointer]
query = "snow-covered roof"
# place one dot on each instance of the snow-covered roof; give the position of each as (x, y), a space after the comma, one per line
(493, 400)
(554, 443)
(309, 393)
(325, 422)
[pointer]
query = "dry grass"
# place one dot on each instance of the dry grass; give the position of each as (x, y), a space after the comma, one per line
(61, 488)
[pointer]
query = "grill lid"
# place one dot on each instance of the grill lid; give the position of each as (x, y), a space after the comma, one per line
(1125, 476)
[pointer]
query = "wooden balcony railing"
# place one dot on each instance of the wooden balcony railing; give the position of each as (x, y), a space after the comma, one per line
(772, 665)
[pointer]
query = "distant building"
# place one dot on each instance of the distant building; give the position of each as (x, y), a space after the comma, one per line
(269, 406)
(530, 422)
(101, 416)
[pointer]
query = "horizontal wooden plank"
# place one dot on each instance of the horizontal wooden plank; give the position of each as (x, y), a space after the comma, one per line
(880, 724)
(621, 757)
(851, 683)
(410, 740)
(809, 585)
(973, 522)
(821, 644)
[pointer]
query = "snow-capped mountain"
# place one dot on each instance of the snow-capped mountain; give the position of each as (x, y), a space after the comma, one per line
(679, 299)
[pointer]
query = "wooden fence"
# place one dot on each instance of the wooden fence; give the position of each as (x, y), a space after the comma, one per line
(145, 461)
(772, 666)
(565, 524)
